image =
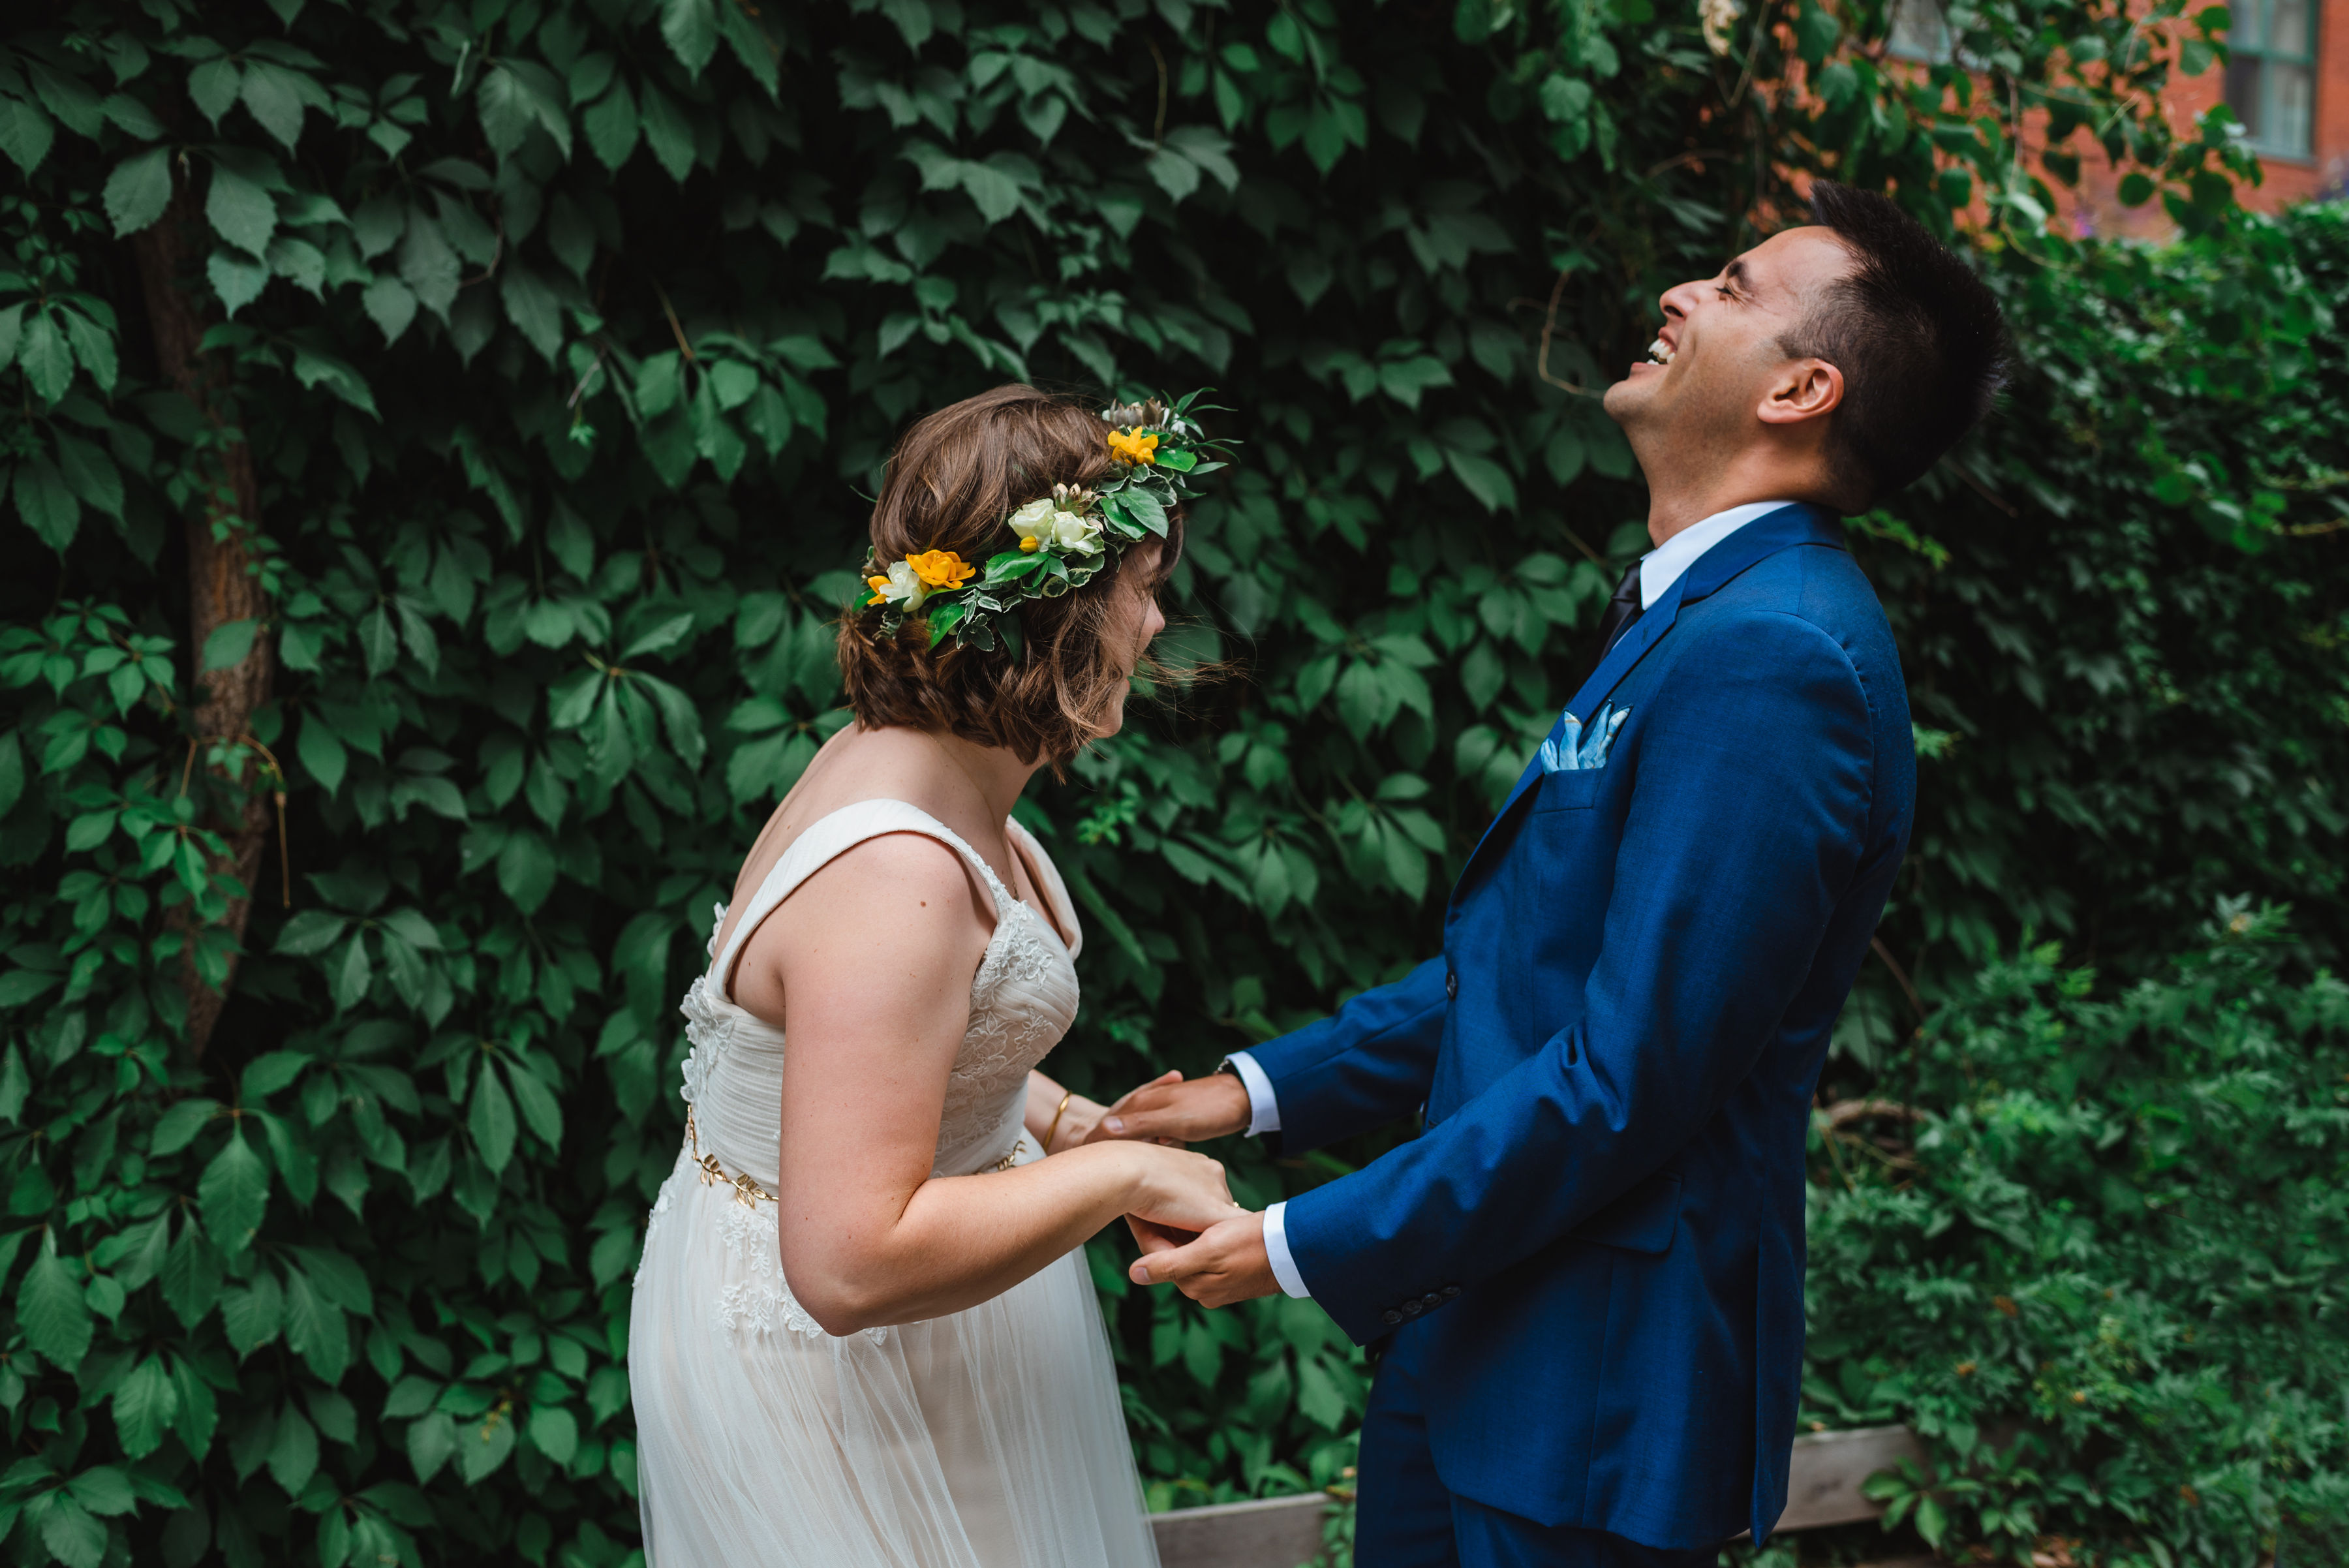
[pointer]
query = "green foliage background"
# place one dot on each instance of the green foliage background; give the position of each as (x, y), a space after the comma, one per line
(563, 339)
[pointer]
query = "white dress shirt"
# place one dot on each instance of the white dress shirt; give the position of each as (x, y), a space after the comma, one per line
(1659, 568)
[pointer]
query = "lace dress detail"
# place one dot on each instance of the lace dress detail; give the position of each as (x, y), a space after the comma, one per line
(992, 1437)
(759, 1301)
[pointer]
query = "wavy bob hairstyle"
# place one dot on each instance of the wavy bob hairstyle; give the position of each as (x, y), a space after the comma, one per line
(953, 478)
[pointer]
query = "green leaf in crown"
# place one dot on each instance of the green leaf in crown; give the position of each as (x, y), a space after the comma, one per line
(1062, 539)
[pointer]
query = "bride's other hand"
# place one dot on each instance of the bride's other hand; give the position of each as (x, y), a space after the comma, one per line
(1059, 1119)
(1170, 1109)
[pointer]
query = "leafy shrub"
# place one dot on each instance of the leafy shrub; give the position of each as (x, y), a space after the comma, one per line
(2125, 631)
(2104, 1272)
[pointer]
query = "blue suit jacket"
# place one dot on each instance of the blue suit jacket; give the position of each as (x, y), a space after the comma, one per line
(1597, 1242)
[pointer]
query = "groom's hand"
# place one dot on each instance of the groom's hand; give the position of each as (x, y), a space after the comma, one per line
(1225, 1263)
(1169, 1110)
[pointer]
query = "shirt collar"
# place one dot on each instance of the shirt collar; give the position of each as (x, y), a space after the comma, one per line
(1661, 567)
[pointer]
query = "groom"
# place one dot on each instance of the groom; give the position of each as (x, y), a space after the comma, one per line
(1587, 1271)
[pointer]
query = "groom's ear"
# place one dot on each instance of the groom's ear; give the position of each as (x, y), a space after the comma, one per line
(1799, 391)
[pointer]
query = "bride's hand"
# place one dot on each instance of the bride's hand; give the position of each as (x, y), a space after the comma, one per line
(1152, 1237)
(1178, 1191)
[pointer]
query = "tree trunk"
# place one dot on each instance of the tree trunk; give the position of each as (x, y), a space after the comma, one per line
(224, 583)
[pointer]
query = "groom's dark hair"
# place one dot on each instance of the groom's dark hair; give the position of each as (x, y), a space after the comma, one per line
(1919, 339)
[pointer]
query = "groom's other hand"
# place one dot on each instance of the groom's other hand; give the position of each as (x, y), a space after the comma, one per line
(1227, 1263)
(1168, 1109)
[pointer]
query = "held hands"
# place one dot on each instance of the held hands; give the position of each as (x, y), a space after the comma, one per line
(1225, 1263)
(1214, 1263)
(1167, 1109)
(1176, 1194)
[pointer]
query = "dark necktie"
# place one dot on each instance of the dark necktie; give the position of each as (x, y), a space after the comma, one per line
(1621, 611)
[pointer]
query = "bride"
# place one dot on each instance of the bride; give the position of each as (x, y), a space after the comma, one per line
(864, 1333)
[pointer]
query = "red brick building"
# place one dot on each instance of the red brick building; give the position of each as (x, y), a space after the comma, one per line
(2287, 81)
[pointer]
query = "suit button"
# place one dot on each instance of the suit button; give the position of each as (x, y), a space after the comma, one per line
(1431, 1299)
(1450, 1292)
(1413, 1309)
(1450, 985)
(1391, 1318)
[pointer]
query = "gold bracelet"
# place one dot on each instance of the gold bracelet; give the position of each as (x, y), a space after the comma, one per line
(1057, 1114)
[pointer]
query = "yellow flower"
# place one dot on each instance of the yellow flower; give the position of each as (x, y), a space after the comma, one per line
(941, 569)
(880, 586)
(1030, 544)
(1131, 446)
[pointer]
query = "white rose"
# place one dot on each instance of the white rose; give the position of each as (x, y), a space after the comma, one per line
(1076, 535)
(1034, 520)
(904, 588)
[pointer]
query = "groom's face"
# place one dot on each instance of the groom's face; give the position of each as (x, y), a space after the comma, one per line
(1718, 359)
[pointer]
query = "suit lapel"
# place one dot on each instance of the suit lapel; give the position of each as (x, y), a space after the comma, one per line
(1757, 541)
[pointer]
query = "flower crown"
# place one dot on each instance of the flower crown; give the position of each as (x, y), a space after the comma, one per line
(1063, 538)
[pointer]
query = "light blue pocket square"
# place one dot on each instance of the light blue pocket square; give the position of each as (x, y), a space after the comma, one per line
(1580, 750)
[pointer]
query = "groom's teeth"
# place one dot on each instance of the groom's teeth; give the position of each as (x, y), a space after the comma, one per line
(1661, 352)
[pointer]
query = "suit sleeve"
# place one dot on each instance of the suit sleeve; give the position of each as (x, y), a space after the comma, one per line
(1365, 1066)
(1745, 826)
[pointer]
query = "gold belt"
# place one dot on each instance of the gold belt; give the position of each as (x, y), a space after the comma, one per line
(749, 1193)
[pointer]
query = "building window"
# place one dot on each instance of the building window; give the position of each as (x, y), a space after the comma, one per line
(1921, 31)
(2272, 73)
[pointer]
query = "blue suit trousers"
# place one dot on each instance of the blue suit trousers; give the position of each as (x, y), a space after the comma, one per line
(1406, 1518)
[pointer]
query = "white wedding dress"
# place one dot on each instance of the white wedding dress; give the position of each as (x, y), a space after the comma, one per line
(993, 1437)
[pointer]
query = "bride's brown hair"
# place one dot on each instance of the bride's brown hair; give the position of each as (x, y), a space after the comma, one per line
(955, 477)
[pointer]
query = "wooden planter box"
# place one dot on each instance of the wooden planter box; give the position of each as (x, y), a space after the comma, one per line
(1822, 1489)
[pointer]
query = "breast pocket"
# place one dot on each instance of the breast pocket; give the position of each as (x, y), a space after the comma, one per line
(1575, 789)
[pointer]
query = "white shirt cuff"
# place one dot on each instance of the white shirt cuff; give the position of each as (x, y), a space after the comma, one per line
(1264, 1111)
(1276, 1247)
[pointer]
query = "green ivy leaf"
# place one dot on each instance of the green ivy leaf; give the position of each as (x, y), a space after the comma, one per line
(315, 1330)
(539, 1106)
(666, 132)
(293, 1456)
(49, 1307)
(481, 1449)
(229, 645)
(213, 85)
(199, 1415)
(146, 1402)
(491, 1119)
(555, 1432)
(26, 136)
(526, 870)
(191, 1281)
(138, 191)
(46, 360)
(613, 127)
(234, 1194)
(431, 1442)
(178, 1126)
(274, 96)
(238, 279)
(689, 27)
(254, 1315)
(72, 1536)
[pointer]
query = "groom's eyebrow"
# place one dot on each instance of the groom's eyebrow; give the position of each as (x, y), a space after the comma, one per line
(1737, 277)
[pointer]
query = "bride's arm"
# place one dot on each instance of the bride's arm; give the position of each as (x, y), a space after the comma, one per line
(875, 954)
(1060, 1118)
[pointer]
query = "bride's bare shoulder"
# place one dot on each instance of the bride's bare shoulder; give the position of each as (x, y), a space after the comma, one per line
(856, 764)
(910, 876)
